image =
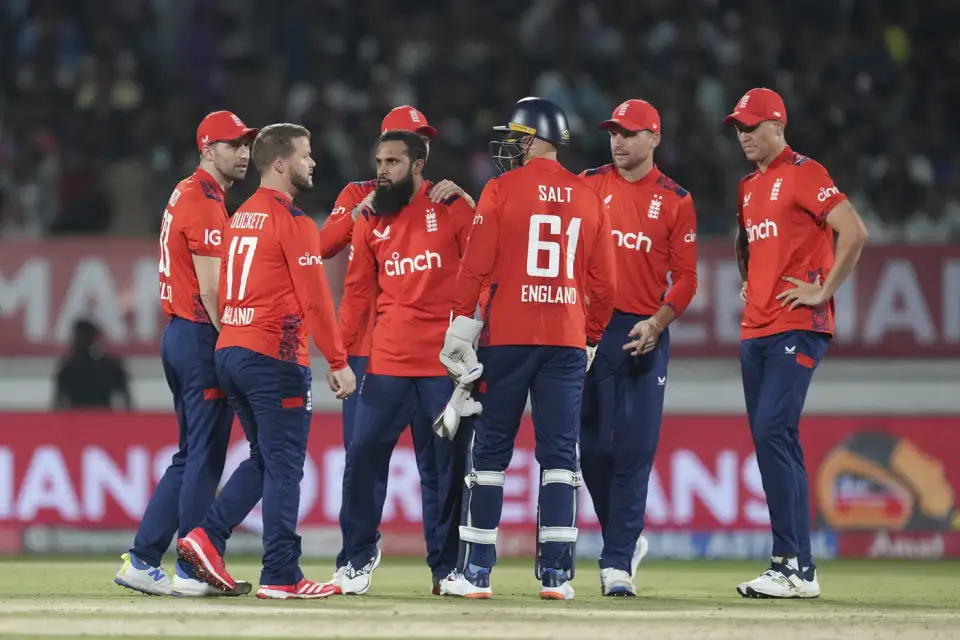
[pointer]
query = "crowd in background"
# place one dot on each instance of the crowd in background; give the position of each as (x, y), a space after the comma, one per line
(100, 99)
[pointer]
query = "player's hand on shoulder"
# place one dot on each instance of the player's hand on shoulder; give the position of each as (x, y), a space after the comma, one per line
(342, 382)
(446, 189)
(366, 203)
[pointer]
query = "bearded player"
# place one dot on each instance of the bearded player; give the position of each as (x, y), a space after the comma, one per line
(335, 236)
(407, 252)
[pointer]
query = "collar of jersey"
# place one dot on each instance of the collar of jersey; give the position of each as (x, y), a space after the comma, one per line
(780, 159)
(651, 178)
(203, 176)
(541, 161)
(279, 195)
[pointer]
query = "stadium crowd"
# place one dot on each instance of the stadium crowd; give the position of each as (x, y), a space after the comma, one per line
(100, 98)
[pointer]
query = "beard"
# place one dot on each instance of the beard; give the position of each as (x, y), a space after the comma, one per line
(388, 200)
(301, 182)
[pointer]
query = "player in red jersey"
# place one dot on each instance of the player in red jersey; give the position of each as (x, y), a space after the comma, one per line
(542, 241)
(335, 236)
(190, 246)
(654, 227)
(788, 211)
(274, 295)
(407, 251)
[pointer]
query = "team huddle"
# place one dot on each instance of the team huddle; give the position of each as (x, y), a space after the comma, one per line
(553, 287)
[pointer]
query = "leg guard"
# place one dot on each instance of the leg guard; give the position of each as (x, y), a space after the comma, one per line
(481, 516)
(556, 541)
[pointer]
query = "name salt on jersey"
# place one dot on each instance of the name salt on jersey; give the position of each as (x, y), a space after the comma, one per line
(541, 240)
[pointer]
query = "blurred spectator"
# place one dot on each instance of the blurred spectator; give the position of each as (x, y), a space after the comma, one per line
(102, 97)
(89, 379)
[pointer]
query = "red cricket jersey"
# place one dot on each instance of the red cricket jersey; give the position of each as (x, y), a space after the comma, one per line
(192, 225)
(542, 239)
(412, 258)
(784, 211)
(654, 229)
(273, 290)
(335, 236)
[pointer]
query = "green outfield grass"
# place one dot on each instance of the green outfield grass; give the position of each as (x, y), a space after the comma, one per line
(43, 597)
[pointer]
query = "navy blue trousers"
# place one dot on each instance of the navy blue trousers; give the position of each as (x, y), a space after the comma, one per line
(204, 420)
(553, 378)
(777, 371)
(272, 398)
(622, 411)
(387, 405)
(358, 364)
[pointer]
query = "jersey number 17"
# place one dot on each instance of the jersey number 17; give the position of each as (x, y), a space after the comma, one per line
(245, 246)
(535, 245)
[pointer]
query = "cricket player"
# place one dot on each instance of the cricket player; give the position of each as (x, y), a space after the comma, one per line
(190, 248)
(542, 241)
(654, 228)
(274, 294)
(407, 248)
(788, 211)
(335, 236)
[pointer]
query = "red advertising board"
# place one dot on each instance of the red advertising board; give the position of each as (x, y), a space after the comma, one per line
(867, 474)
(902, 301)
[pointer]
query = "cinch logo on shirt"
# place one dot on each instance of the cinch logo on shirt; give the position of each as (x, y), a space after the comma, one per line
(826, 193)
(762, 231)
(632, 240)
(425, 261)
(691, 237)
(307, 260)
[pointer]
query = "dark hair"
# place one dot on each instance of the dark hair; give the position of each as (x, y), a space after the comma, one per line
(416, 146)
(276, 141)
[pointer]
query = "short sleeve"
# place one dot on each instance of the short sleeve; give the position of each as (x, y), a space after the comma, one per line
(816, 193)
(204, 227)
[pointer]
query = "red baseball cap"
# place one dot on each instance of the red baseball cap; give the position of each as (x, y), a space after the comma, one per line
(756, 106)
(407, 118)
(222, 126)
(634, 115)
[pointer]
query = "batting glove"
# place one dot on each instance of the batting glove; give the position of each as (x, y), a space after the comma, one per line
(591, 354)
(458, 355)
(460, 405)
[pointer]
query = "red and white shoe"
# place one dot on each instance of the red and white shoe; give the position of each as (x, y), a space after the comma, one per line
(303, 590)
(197, 549)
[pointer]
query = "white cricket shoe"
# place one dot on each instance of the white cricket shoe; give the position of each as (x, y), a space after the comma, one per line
(810, 589)
(185, 586)
(781, 580)
(337, 579)
(356, 582)
(473, 584)
(554, 585)
(139, 576)
(617, 582)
